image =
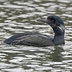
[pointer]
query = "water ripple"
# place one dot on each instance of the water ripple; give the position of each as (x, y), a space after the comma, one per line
(20, 16)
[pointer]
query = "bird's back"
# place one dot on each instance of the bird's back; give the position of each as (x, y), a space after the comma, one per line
(31, 39)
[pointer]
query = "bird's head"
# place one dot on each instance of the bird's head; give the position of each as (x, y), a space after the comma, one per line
(54, 22)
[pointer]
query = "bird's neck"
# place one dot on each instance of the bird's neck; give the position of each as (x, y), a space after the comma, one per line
(59, 36)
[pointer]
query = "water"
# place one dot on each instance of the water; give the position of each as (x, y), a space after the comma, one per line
(18, 16)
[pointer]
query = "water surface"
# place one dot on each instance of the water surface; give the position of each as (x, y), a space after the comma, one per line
(18, 16)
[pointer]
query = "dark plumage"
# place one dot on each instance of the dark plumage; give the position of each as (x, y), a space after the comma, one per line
(38, 39)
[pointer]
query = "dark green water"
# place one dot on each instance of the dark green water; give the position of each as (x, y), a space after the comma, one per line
(18, 16)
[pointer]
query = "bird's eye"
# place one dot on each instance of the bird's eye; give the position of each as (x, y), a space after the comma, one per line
(52, 20)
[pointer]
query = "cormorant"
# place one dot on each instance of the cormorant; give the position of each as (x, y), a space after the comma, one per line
(38, 39)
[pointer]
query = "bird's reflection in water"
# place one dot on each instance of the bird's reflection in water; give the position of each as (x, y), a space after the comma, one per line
(56, 54)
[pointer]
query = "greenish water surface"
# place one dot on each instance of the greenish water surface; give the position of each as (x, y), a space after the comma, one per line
(18, 16)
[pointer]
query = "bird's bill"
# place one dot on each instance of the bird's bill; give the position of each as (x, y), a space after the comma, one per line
(45, 21)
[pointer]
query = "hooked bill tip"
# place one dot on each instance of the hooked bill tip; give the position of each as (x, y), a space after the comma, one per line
(45, 21)
(39, 20)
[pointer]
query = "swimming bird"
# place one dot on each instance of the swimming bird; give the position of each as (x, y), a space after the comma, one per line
(38, 39)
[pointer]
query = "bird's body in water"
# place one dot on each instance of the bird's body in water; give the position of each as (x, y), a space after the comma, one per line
(38, 39)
